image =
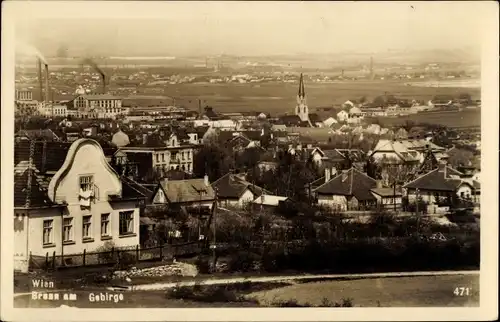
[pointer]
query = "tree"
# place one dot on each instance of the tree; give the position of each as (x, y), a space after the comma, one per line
(213, 161)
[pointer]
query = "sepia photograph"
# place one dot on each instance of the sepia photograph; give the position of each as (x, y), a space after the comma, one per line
(243, 155)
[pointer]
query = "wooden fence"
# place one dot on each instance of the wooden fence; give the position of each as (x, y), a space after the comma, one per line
(114, 256)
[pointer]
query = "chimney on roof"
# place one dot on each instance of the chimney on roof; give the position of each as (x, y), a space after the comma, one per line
(144, 138)
(333, 171)
(379, 184)
(206, 181)
(327, 175)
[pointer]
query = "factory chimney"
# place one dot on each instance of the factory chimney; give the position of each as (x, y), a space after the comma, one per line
(103, 77)
(40, 80)
(46, 83)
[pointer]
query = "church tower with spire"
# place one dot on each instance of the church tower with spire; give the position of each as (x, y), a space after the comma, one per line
(302, 110)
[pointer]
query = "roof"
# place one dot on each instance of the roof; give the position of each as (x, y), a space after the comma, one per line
(38, 192)
(349, 183)
(290, 120)
(269, 200)
(43, 134)
(176, 174)
(130, 191)
(49, 156)
(189, 190)
(100, 97)
(232, 186)
(314, 118)
(435, 180)
(334, 155)
(386, 192)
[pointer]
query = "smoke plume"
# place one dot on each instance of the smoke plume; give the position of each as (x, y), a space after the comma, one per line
(30, 50)
(92, 64)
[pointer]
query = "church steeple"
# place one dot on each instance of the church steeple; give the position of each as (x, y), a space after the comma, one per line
(302, 91)
(301, 110)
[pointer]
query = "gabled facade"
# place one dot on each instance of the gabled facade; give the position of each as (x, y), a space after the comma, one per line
(184, 193)
(233, 190)
(349, 190)
(80, 207)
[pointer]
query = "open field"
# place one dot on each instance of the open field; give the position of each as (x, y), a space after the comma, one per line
(433, 291)
(279, 98)
(465, 118)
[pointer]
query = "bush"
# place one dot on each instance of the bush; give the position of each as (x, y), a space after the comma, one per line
(242, 261)
(208, 293)
(203, 265)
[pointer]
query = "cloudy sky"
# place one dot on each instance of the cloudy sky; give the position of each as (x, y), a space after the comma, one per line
(244, 28)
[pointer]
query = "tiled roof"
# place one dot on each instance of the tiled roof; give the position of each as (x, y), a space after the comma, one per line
(38, 192)
(349, 183)
(176, 174)
(49, 156)
(130, 191)
(387, 192)
(233, 186)
(290, 120)
(187, 190)
(100, 97)
(435, 180)
(42, 134)
(334, 155)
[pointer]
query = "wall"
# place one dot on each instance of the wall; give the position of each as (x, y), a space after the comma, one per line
(246, 197)
(77, 245)
(21, 251)
(336, 202)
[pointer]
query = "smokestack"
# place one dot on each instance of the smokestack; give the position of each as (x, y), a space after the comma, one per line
(199, 109)
(103, 77)
(40, 80)
(46, 83)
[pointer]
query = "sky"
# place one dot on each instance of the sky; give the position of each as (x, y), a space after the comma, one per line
(247, 28)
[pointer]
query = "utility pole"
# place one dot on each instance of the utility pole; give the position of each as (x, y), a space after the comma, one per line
(416, 210)
(214, 254)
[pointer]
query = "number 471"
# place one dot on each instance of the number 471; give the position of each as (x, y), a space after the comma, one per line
(462, 291)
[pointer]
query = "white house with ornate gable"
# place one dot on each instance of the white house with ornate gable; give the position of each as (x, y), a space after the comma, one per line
(80, 207)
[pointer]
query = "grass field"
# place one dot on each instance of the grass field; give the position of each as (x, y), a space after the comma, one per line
(465, 118)
(421, 291)
(281, 97)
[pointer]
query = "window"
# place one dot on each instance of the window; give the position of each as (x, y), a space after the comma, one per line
(163, 157)
(86, 226)
(126, 222)
(105, 225)
(86, 183)
(68, 229)
(47, 231)
(157, 158)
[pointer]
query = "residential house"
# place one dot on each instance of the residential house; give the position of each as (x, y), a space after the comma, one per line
(70, 200)
(233, 190)
(405, 151)
(278, 128)
(164, 152)
(349, 190)
(187, 194)
(388, 198)
(42, 135)
(440, 183)
(355, 115)
(342, 116)
(268, 202)
(329, 122)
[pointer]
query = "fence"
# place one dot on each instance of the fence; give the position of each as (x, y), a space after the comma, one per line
(114, 256)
